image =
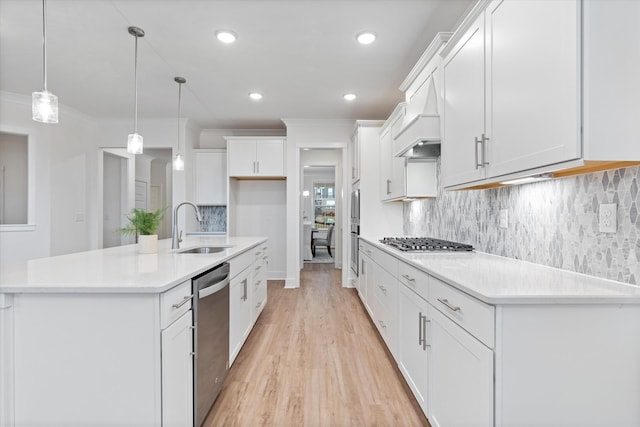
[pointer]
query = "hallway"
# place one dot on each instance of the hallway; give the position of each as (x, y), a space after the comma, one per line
(314, 359)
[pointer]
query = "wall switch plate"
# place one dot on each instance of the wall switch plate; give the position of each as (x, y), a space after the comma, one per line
(503, 218)
(608, 218)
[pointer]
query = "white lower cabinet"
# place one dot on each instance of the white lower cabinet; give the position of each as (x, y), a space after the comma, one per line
(413, 315)
(239, 312)
(177, 372)
(460, 376)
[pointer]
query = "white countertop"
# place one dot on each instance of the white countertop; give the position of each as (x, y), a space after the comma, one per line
(499, 280)
(120, 269)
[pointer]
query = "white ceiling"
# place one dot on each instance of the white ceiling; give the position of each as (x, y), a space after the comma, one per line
(301, 54)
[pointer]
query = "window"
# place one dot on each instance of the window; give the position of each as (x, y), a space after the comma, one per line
(14, 178)
(324, 204)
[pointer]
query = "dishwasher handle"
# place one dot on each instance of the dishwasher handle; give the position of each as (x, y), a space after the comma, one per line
(213, 288)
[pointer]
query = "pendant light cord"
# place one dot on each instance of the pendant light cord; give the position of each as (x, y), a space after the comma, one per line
(44, 43)
(135, 84)
(179, 112)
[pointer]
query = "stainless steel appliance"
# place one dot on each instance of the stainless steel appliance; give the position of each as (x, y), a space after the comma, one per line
(355, 229)
(211, 314)
(424, 244)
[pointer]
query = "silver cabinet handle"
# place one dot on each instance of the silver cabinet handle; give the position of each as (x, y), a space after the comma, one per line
(382, 324)
(258, 167)
(409, 278)
(244, 285)
(424, 333)
(420, 334)
(383, 289)
(183, 302)
(257, 268)
(194, 353)
(448, 304)
(259, 304)
(484, 150)
(258, 283)
(388, 186)
(478, 142)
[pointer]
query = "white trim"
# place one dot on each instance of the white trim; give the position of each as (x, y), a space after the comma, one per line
(431, 51)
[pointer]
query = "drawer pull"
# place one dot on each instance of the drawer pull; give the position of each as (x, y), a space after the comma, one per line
(383, 289)
(449, 305)
(259, 304)
(409, 278)
(382, 324)
(183, 302)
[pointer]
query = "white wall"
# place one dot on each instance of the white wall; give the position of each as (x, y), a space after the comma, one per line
(260, 209)
(67, 183)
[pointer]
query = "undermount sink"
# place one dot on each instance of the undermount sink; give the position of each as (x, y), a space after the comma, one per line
(204, 250)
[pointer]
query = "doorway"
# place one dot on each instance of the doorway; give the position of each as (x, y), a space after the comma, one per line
(319, 214)
(115, 197)
(321, 205)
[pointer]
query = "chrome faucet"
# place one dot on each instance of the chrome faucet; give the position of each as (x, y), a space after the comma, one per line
(176, 237)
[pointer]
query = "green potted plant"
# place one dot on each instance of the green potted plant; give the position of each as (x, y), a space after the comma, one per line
(144, 225)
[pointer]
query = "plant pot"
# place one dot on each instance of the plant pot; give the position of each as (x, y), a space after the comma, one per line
(148, 244)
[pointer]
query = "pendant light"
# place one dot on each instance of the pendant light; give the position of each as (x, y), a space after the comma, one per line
(178, 161)
(44, 105)
(134, 141)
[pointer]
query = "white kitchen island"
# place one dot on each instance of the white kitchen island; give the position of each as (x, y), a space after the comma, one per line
(104, 337)
(485, 340)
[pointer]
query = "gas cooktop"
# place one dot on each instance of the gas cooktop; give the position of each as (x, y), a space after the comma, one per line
(424, 244)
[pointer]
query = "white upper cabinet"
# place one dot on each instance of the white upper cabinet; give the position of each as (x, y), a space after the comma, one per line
(463, 105)
(210, 177)
(255, 157)
(511, 91)
(532, 85)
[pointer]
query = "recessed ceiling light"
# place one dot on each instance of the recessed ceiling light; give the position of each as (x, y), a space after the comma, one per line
(366, 37)
(226, 36)
(256, 96)
(350, 96)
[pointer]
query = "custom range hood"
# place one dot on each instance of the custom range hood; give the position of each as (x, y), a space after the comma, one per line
(416, 132)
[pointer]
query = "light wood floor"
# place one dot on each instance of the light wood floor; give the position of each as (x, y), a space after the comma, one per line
(314, 359)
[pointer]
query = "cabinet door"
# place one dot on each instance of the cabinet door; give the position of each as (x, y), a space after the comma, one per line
(211, 178)
(242, 157)
(386, 143)
(177, 372)
(463, 108)
(460, 376)
(355, 158)
(412, 348)
(270, 157)
(239, 312)
(367, 278)
(533, 86)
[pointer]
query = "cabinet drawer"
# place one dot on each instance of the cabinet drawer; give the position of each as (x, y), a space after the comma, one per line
(473, 315)
(366, 248)
(386, 261)
(175, 302)
(239, 263)
(386, 289)
(416, 280)
(385, 323)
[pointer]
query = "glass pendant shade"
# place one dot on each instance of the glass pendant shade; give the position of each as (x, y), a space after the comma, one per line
(44, 107)
(134, 143)
(178, 163)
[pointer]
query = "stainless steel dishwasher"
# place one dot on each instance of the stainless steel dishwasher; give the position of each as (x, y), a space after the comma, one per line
(211, 314)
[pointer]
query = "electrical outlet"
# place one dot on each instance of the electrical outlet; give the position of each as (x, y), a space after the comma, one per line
(608, 218)
(503, 218)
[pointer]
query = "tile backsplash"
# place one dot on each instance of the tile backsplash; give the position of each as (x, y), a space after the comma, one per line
(554, 223)
(214, 218)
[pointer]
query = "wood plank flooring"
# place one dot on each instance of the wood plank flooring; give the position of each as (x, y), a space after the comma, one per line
(314, 359)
